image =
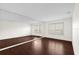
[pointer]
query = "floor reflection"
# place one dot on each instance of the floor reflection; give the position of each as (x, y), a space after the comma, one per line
(55, 48)
(59, 49)
(37, 46)
(51, 48)
(42, 46)
(45, 46)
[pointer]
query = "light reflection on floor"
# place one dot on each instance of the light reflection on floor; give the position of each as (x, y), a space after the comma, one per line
(54, 47)
(59, 49)
(37, 45)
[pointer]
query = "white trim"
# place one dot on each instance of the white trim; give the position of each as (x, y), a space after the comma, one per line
(17, 44)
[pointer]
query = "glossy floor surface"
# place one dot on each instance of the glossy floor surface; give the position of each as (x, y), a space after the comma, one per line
(12, 41)
(44, 46)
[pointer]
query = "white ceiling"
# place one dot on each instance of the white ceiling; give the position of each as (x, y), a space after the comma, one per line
(37, 11)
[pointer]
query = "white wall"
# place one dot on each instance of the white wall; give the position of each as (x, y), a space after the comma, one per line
(13, 25)
(10, 29)
(67, 29)
(76, 29)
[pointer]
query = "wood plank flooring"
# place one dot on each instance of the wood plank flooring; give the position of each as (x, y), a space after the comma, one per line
(12, 41)
(44, 46)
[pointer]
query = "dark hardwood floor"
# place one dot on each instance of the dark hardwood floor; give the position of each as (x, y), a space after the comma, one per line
(12, 41)
(44, 46)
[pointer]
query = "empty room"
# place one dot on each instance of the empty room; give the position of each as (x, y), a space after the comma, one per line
(39, 28)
